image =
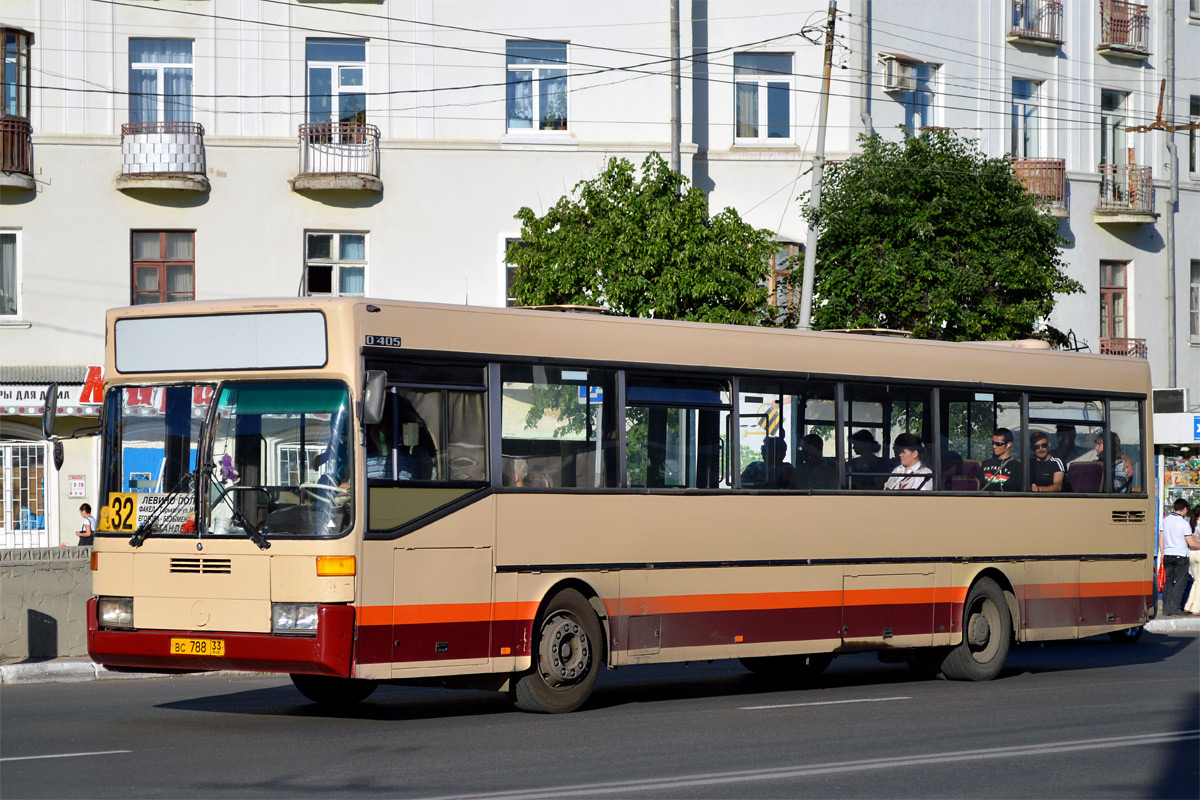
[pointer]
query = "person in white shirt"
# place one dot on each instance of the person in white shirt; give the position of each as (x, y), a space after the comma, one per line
(1172, 544)
(910, 473)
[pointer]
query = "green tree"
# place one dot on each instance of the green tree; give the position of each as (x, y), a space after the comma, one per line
(644, 247)
(929, 235)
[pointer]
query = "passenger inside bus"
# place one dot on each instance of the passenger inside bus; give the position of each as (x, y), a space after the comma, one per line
(865, 461)
(814, 470)
(910, 473)
(773, 472)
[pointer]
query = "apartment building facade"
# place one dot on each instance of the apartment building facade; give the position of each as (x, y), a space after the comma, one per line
(202, 149)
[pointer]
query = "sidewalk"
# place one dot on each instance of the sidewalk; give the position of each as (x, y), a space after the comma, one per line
(76, 670)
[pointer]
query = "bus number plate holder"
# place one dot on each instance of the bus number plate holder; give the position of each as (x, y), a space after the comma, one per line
(198, 647)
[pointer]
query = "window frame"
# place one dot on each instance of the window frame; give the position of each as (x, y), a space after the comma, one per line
(1194, 303)
(1026, 110)
(336, 263)
(1109, 293)
(160, 67)
(162, 265)
(1194, 136)
(762, 81)
(778, 277)
(536, 78)
(15, 316)
(336, 88)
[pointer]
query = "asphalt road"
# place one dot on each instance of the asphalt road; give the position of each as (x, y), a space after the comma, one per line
(1086, 719)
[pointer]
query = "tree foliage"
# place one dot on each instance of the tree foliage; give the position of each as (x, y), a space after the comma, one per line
(929, 235)
(644, 247)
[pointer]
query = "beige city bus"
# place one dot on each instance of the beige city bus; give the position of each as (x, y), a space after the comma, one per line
(356, 491)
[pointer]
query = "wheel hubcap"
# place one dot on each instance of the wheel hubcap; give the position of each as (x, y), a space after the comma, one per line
(565, 652)
(984, 619)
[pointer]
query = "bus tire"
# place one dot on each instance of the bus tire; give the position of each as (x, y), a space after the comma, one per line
(329, 691)
(986, 632)
(782, 668)
(1127, 635)
(568, 648)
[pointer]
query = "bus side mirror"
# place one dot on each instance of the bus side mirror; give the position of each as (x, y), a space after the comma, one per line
(374, 391)
(50, 411)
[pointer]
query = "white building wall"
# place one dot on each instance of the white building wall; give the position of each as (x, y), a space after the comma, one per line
(453, 177)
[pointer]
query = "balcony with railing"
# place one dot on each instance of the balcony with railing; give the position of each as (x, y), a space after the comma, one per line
(339, 156)
(1124, 29)
(1133, 348)
(16, 153)
(1126, 196)
(1037, 22)
(1045, 179)
(163, 155)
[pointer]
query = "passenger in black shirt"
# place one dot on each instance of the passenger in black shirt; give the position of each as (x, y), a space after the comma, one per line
(1003, 472)
(1048, 471)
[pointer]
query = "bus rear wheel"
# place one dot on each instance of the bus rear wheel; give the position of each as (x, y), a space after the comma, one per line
(566, 659)
(987, 635)
(782, 668)
(330, 691)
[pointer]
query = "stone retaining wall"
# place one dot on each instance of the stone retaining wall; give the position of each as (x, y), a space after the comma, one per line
(43, 602)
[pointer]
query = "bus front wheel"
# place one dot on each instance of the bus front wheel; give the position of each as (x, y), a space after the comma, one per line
(569, 644)
(329, 691)
(987, 634)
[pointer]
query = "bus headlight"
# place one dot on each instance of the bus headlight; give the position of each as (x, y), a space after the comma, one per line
(294, 618)
(115, 612)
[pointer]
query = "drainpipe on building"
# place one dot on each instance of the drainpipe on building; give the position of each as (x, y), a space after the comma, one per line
(864, 99)
(1173, 195)
(676, 91)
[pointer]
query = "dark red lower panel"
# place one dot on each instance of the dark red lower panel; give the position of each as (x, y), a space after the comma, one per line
(433, 641)
(327, 653)
(1125, 610)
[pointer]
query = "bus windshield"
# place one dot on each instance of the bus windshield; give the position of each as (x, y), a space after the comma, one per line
(281, 462)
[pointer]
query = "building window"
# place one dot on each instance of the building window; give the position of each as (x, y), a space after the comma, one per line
(537, 86)
(10, 280)
(15, 80)
(762, 96)
(337, 80)
(1114, 282)
(1194, 303)
(335, 264)
(1194, 135)
(784, 295)
(1112, 128)
(911, 82)
(1025, 118)
(160, 80)
(164, 266)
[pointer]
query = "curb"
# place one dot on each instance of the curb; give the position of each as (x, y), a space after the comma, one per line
(81, 671)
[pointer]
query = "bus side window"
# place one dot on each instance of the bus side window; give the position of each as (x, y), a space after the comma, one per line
(677, 433)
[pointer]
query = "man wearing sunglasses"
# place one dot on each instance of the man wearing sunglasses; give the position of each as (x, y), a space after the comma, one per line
(1048, 471)
(1002, 472)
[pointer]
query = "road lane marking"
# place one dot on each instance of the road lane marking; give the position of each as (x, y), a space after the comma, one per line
(825, 703)
(66, 755)
(778, 773)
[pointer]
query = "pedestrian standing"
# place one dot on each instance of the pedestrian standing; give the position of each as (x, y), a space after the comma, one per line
(87, 531)
(1172, 544)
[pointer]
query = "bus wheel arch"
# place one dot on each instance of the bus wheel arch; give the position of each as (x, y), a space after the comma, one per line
(567, 652)
(987, 628)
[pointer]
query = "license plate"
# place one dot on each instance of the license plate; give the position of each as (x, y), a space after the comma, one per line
(198, 647)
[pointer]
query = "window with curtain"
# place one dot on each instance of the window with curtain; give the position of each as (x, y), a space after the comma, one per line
(1194, 136)
(9, 305)
(762, 96)
(1025, 118)
(337, 80)
(335, 264)
(164, 266)
(1194, 303)
(160, 80)
(536, 97)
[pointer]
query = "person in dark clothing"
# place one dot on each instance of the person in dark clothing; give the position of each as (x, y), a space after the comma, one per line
(1048, 471)
(1002, 472)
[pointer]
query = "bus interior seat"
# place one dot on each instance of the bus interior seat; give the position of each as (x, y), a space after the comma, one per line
(964, 483)
(1085, 477)
(972, 468)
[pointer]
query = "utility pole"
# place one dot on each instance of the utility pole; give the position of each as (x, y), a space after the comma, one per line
(676, 91)
(814, 195)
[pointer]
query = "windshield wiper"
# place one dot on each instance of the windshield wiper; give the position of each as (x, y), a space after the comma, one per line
(147, 527)
(252, 531)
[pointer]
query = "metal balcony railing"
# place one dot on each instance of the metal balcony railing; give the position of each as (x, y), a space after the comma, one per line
(1039, 20)
(1044, 178)
(162, 148)
(16, 145)
(331, 148)
(1126, 189)
(1133, 348)
(1124, 26)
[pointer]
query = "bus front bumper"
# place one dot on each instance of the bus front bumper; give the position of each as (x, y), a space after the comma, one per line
(328, 653)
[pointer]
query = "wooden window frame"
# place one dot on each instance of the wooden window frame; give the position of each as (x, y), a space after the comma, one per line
(161, 263)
